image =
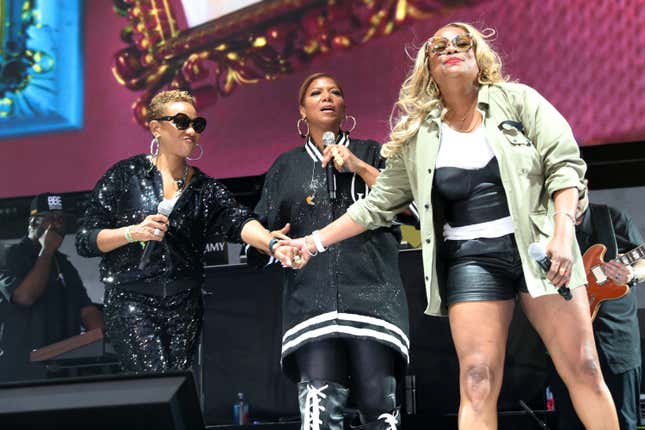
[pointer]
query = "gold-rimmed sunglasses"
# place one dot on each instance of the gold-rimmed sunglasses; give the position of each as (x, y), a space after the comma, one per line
(439, 45)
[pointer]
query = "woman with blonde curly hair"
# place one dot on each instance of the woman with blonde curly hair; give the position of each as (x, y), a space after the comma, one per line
(493, 167)
(149, 219)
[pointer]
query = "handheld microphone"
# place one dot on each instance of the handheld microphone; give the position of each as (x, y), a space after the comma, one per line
(165, 207)
(538, 253)
(329, 138)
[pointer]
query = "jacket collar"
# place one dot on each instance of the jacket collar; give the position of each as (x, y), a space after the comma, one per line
(483, 97)
(314, 152)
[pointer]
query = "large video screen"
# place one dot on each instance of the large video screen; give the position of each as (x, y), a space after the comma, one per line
(565, 50)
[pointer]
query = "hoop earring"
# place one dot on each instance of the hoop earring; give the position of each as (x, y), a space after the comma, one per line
(353, 125)
(201, 153)
(299, 127)
(154, 147)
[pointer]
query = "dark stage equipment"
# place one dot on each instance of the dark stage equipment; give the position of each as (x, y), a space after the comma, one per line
(159, 402)
(241, 344)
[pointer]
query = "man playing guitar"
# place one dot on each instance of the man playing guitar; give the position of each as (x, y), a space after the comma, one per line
(616, 327)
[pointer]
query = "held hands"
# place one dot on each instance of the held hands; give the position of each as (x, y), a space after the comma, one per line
(288, 255)
(344, 160)
(618, 272)
(153, 227)
(559, 250)
(305, 249)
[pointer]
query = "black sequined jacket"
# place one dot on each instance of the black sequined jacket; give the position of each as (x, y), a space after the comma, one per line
(131, 190)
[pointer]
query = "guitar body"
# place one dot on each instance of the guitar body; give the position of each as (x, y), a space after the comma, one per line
(599, 287)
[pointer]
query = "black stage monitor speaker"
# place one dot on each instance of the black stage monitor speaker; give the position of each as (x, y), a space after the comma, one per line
(150, 402)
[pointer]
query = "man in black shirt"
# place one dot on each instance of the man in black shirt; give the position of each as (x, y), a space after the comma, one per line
(42, 297)
(616, 329)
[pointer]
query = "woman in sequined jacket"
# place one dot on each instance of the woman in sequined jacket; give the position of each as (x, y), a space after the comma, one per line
(345, 316)
(151, 252)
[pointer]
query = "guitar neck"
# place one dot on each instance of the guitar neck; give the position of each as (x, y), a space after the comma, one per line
(632, 256)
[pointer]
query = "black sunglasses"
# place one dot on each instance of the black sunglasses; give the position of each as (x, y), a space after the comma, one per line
(183, 121)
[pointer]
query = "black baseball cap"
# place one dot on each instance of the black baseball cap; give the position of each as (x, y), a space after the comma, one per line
(47, 203)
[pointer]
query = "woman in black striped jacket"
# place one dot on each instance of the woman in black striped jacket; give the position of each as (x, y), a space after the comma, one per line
(345, 315)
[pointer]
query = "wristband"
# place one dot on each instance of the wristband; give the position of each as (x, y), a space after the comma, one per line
(272, 243)
(315, 235)
(312, 254)
(128, 235)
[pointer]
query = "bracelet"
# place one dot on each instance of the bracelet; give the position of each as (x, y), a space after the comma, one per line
(311, 254)
(571, 217)
(315, 235)
(272, 243)
(128, 235)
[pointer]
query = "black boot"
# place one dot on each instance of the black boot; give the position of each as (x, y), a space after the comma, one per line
(322, 405)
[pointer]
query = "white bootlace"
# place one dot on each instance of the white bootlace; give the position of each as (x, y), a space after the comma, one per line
(313, 407)
(389, 419)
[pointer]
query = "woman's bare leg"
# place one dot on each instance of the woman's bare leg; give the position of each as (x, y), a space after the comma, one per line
(565, 328)
(479, 331)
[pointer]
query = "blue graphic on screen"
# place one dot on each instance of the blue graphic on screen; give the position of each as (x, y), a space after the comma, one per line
(41, 82)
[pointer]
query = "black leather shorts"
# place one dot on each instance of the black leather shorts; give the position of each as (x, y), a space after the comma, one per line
(483, 270)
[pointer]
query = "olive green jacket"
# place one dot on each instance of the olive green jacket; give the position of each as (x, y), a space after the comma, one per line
(533, 165)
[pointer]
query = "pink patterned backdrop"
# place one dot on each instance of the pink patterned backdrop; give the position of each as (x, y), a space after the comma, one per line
(586, 57)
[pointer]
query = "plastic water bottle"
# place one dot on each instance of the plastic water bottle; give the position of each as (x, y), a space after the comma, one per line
(240, 411)
(550, 401)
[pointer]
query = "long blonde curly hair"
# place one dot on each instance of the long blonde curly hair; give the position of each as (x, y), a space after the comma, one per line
(420, 93)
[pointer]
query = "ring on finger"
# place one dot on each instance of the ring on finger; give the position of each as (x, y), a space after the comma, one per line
(156, 232)
(562, 271)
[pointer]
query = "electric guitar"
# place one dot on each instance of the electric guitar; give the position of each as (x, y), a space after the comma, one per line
(599, 286)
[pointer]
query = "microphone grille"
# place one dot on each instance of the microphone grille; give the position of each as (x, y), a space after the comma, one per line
(328, 138)
(537, 251)
(166, 206)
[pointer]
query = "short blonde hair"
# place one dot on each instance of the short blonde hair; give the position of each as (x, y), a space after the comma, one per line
(420, 94)
(162, 98)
